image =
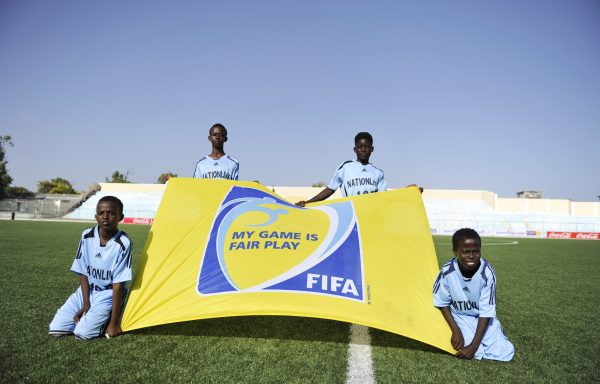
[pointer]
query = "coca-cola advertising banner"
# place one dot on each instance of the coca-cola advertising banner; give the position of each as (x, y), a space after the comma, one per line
(137, 220)
(574, 235)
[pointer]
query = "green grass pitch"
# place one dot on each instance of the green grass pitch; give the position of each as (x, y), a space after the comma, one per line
(548, 301)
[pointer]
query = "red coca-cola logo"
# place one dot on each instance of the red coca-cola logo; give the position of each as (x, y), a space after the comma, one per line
(574, 235)
(588, 236)
(560, 235)
(138, 220)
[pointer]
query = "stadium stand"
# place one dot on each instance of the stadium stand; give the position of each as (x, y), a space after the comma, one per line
(445, 216)
(514, 217)
(447, 210)
(141, 201)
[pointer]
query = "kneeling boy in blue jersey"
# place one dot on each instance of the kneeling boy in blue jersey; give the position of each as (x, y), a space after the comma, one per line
(103, 263)
(465, 292)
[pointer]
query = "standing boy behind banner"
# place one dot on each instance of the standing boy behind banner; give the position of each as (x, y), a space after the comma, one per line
(217, 165)
(355, 177)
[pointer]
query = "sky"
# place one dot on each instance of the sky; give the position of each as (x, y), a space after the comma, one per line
(502, 96)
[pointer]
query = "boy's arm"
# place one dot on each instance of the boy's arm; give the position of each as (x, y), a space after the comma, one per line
(487, 310)
(236, 172)
(457, 339)
(121, 274)
(324, 194)
(114, 326)
(382, 184)
(85, 292)
(469, 351)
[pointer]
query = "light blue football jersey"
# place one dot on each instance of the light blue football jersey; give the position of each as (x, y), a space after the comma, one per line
(104, 266)
(472, 297)
(354, 178)
(224, 168)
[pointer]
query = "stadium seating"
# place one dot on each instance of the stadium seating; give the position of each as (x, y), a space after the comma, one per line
(445, 215)
(137, 204)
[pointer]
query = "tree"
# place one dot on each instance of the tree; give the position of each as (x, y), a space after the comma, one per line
(164, 177)
(319, 184)
(5, 178)
(118, 177)
(18, 192)
(57, 185)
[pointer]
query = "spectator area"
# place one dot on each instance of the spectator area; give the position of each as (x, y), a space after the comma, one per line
(447, 210)
(140, 200)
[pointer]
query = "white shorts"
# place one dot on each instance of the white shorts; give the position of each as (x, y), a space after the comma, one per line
(494, 346)
(90, 325)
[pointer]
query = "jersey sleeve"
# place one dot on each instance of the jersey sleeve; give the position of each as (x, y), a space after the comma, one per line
(236, 172)
(338, 179)
(441, 292)
(122, 269)
(79, 265)
(487, 300)
(381, 184)
(195, 175)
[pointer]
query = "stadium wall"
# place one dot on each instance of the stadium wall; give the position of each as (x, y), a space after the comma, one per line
(40, 206)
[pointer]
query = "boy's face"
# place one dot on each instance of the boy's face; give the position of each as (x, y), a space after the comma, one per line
(363, 150)
(108, 216)
(468, 254)
(217, 136)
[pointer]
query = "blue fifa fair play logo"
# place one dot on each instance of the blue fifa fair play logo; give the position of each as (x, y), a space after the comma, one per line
(260, 243)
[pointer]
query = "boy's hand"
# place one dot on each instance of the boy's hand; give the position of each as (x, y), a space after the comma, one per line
(466, 353)
(113, 330)
(81, 313)
(301, 203)
(415, 185)
(457, 340)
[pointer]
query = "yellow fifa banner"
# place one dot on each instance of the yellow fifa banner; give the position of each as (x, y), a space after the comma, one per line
(221, 248)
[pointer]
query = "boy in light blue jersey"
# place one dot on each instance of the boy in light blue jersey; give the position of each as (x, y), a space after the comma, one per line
(217, 165)
(103, 263)
(465, 292)
(355, 177)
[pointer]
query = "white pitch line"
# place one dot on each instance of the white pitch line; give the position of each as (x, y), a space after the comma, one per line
(508, 243)
(360, 363)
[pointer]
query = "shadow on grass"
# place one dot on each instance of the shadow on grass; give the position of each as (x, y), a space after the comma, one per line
(385, 339)
(266, 327)
(282, 327)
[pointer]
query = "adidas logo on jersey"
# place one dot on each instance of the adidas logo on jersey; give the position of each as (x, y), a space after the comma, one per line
(98, 255)
(364, 170)
(215, 164)
(466, 289)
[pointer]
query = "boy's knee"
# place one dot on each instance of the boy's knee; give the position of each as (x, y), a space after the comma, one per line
(90, 326)
(85, 333)
(61, 326)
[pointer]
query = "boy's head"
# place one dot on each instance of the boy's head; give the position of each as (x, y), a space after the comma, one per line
(463, 234)
(218, 126)
(217, 135)
(363, 146)
(363, 135)
(109, 211)
(466, 246)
